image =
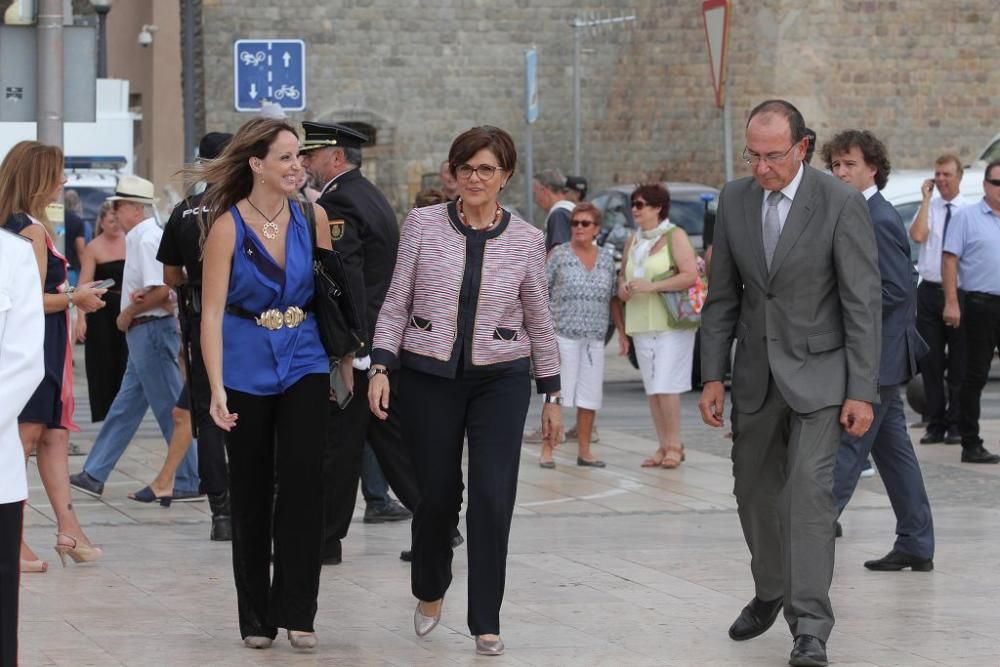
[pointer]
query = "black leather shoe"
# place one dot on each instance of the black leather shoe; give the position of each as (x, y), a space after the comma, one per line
(897, 560)
(406, 556)
(82, 481)
(456, 540)
(932, 438)
(755, 619)
(979, 455)
(332, 554)
(385, 512)
(953, 437)
(808, 651)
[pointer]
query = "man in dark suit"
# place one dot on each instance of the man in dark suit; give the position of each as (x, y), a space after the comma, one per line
(365, 232)
(795, 280)
(859, 159)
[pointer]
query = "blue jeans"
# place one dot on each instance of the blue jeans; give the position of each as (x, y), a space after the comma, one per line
(373, 485)
(152, 379)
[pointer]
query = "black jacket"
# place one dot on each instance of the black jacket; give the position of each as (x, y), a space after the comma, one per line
(365, 231)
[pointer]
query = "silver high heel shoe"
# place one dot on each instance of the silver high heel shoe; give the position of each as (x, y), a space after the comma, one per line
(489, 646)
(424, 624)
(302, 640)
(257, 641)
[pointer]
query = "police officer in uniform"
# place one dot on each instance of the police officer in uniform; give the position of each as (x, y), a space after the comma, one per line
(365, 232)
(180, 253)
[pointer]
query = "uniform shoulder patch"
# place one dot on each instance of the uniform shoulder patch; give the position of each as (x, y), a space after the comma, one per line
(336, 230)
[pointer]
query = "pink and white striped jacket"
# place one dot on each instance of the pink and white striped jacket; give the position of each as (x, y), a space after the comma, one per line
(419, 323)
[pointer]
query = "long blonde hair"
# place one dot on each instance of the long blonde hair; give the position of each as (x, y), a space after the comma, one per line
(28, 175)
(229, 175)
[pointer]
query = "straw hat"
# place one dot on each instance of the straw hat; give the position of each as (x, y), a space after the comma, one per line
(133, 188)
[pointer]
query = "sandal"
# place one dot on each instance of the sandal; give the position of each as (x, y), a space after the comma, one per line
(673, 458)
(656, 460)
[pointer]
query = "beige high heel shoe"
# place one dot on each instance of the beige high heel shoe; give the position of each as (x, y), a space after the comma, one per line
(37, 565)
(80, 553)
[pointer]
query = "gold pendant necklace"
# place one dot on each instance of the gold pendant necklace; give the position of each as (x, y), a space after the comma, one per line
(270, 228)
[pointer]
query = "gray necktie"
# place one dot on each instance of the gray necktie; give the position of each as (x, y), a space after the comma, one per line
(772, 226)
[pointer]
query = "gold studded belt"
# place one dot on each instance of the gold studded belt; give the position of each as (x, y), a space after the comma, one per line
(273, 318)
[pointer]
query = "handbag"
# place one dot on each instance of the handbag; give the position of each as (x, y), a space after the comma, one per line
(333, 303)
(684, 306)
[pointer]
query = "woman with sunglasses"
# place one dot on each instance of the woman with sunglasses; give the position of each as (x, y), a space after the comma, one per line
(582, 289)
(658, 258)
(466, 314)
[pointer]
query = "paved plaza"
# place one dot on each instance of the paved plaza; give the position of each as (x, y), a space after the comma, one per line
(620, 566)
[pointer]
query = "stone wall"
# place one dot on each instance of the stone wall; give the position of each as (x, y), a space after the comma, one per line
(421, 71)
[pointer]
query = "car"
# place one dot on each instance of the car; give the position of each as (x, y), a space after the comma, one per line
(688, 203)
(989, 154)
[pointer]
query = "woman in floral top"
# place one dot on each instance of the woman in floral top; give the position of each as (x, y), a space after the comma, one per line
(581, 279)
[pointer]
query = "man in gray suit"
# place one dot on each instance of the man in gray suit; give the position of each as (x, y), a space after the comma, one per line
(859, 159)
(795, 281)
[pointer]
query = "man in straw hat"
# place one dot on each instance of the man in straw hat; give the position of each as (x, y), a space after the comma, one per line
(152, 377)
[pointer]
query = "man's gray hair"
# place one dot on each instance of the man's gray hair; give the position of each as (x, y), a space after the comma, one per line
(552, 179)
(352, 155)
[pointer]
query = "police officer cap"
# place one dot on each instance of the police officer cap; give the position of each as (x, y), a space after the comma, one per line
(212, 144)
(324, 135)
(577, 183)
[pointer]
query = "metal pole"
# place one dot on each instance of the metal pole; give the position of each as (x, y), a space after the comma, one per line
(50, 72)
(187, 65)
(727, 131)
(529, 175)
(102, 41)
(576, 97)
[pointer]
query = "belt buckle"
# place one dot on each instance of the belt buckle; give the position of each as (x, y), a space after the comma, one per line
(294, 316)
(272, 319)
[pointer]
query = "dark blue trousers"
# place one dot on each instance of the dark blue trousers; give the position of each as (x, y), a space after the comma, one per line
(889, 444)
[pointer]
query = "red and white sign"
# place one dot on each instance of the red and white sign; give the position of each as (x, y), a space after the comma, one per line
(716, 16)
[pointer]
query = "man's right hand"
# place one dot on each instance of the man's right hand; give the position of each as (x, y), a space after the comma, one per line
(712, 403)
(927, 188)
(952, 314)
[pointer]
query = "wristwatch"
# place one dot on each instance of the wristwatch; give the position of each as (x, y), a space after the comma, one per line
(373, 371)
(555, 400)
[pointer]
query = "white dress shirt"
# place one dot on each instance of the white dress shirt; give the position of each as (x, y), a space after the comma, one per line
(929, 259)
(22, 365)
(870, 192)
(785, 205)
(142, 269)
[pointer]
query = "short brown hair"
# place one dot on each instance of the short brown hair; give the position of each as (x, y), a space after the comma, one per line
(873, 151)
(951, 157)
(655, 195)
(429, 197)
(587, 207)
(476, 139)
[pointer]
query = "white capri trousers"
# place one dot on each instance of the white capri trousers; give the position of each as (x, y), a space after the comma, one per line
(665, 359)
(581, 372)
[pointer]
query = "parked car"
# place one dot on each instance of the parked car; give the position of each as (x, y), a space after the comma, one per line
(989, 154)
(688, 202)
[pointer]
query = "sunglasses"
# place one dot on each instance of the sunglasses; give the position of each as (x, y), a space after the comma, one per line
(638, 204)
(993, 181)
(581, 223)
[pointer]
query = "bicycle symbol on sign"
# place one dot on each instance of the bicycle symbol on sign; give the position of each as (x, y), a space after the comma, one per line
(287, 90)
(252, 59)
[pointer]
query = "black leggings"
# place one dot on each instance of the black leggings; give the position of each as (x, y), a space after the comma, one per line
(278, 438)
(11, 521)
(437, 414)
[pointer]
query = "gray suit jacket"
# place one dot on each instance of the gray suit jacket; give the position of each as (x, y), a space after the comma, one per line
(814, 321)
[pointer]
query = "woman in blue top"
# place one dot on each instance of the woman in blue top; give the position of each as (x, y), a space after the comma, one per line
(266, 364)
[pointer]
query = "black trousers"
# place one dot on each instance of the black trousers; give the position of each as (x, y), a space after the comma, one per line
(347, 432)
(437, 414)
(211, 441)
(982, 335)
(946, 353)
(11, 522)
(276, 439)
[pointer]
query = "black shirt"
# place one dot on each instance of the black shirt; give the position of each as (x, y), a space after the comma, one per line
(181, 242)
(74, 230)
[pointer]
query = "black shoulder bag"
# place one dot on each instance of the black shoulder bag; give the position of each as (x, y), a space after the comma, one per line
(332, 301)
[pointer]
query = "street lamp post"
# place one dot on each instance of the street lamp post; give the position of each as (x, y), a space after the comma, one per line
(102, 7)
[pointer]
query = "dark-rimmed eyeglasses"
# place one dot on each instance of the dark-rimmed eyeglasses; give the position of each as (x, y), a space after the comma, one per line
(993, 181)
(484, 171)
(581, 222)
(752, 158)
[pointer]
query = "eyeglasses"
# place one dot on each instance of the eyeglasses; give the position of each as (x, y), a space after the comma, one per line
(581, 223)
(484, 171)
(752, 158)
(993, 181)
(638, 204)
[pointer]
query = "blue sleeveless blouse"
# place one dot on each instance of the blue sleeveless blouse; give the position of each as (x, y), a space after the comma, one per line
(256, 360)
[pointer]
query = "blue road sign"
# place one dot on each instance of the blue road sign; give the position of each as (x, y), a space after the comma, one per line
(269, 69)
(530, 86)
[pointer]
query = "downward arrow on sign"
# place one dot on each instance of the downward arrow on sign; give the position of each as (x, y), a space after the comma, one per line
(253, 91)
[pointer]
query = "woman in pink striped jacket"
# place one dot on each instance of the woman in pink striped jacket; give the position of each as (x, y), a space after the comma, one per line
(466, 315)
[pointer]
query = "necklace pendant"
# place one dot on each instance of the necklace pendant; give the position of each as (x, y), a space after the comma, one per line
(270, 230)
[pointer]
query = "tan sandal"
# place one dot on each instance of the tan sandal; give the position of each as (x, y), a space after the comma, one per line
(655, 461)
(673, 458)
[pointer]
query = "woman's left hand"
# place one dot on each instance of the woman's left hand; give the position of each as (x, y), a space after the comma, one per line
(552, 425)
(640, 286)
